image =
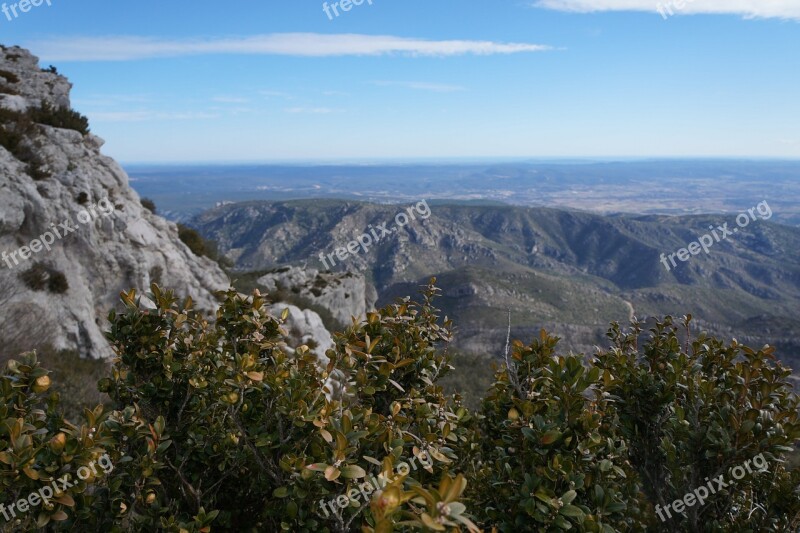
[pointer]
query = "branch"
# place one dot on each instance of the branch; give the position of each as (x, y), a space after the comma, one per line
(259, 459)
(187, 485)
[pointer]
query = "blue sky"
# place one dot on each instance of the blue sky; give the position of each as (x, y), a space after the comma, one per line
(262, 80)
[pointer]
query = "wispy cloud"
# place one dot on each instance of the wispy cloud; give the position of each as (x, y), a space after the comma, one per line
(129, 48)
(230, 100)
(788, 9)
(276, 94)
(421, 86)
(143, 116)
(106, 100)
(312, 110)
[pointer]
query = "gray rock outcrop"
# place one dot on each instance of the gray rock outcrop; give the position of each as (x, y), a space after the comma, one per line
(344, 295)
(304, 327)
(61, 295)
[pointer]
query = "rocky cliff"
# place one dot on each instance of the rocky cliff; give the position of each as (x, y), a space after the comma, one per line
(345, 295)
(72, 232)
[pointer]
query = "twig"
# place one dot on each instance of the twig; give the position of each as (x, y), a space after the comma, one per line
(512, 373)
(259, 459)
(508, 340)
(186, 484)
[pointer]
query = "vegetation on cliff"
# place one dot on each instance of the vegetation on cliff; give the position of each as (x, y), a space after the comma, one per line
(218, 427)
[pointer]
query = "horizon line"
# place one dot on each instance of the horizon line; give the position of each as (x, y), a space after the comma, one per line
(376, 161)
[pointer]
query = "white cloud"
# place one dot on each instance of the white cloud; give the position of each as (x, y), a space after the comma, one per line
(106, 100)
(421, 86)
(788, 9)
(311, 110)
(142, 116)
(230, 100)
(128, 48)
(276, 94)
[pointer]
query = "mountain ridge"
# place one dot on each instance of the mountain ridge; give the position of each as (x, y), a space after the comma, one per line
(557, 259)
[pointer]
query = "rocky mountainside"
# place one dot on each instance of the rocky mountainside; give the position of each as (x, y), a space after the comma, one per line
(569, 271)
(72, 231)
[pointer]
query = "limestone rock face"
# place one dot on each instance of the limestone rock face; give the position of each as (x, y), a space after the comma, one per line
(305, 327)
(344, 295)
(115, 244)
(37, 86)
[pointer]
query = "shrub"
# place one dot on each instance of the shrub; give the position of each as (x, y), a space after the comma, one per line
(74, 381)
(39, 446)
(14, 127)
(156, 274)
(202, 247)
(472, 376)
(40, 277)
(228, 395)
(191, 238)
(216, 427)
(61, 117)
(572, 446)
(8, 76)
(551, 458)
(149, 204)
(36, 172)
(16, 130)
(36, 277)
(691, 411)
(57, 284)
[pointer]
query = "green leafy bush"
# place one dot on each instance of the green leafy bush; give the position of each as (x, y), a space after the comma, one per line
(191, 238)
(74, 380)
(692, 411)
(279, 436)
(200, 246)
(59, 117)
(223, 426)
(552, 458)
(38, 447)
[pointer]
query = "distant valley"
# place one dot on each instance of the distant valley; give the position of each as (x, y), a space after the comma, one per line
(566, 245)
(571, 272)
(677, 187)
